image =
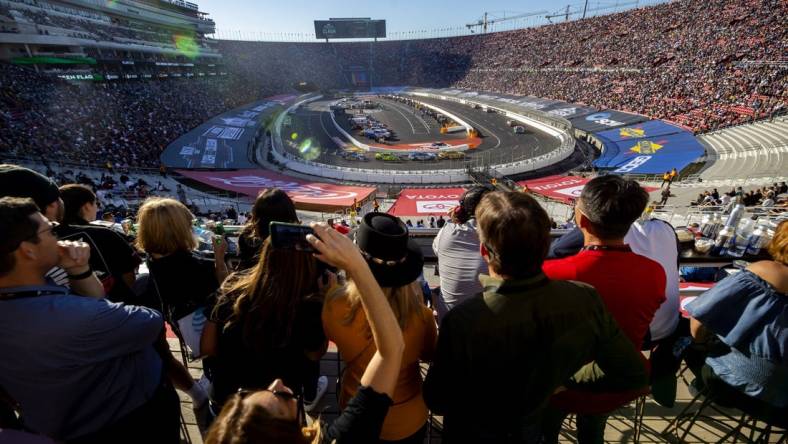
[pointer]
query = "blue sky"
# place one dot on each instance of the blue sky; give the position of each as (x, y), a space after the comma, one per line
(250, 19)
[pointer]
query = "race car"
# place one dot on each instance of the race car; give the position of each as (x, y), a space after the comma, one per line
(451, 155)
(349, 155)
(387, 157)
(422, 156)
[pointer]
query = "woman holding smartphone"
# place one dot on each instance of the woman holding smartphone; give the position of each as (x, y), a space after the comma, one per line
(264, 324)
(271, 415)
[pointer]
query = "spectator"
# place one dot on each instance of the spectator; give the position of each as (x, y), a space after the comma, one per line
(744, 314)
(179, 284)
(112, 258)
(396, 262)
(87, 369)
(457, 248)
(631, 286)
(16, 181)
(665, 196)
(271, 415)
(525, 336)
(441, 221)
(265, 325)
(271, 205)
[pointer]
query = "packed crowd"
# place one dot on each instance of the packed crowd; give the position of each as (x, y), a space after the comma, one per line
(527, 331)
(766, 197)
(705, 65)
(57, 19)
(125, 123)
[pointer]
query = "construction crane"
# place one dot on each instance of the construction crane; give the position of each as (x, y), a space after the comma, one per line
(484, 22)
(572, 11)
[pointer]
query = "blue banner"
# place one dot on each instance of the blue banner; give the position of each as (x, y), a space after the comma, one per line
(650, 155)
(651, 128)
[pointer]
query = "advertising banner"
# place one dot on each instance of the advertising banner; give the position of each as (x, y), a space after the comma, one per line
(306, 195)
(605, 120)
(650, 128)
(426, 201)
(224, 141)
(651, 155)
(557, 187)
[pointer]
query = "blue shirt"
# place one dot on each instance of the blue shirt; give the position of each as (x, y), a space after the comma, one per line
(751, 317)
(76, 364)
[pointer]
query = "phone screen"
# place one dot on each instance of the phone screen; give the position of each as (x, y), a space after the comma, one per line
(290, 236)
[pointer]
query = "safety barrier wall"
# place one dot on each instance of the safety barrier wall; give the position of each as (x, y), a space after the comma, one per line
(554, 126)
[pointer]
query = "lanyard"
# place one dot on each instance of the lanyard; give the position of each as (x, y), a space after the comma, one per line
(606, 248)
(28, 294)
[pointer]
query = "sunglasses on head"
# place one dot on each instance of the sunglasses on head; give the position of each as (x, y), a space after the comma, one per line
(280, 394)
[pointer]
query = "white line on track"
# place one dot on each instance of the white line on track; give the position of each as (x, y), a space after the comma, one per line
(412, 128)
(484, 128)
(330, 137)
(397, 105)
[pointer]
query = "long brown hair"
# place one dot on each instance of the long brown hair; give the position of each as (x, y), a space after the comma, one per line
(250, 423)
(265, 298)
(271, 205)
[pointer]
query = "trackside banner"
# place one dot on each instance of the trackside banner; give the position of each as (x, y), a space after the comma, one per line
(225, 141)
(426, 201)
(558, 187)
(306, 195)
(650, 155)
(604, 120)
(651, 128)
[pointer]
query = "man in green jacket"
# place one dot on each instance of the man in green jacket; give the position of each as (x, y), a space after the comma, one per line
(503, 353)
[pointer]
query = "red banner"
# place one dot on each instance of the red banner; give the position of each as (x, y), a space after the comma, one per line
(562, 188)
(306, 195)
(558, 187)
(426, 201)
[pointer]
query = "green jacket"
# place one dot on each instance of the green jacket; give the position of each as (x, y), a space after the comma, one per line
(503, 353)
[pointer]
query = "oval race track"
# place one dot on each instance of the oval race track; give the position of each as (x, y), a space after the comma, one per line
(498, 144)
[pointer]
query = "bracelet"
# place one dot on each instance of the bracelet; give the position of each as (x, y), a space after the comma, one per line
(80, 276)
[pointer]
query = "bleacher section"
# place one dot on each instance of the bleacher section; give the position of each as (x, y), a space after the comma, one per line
(747, 154)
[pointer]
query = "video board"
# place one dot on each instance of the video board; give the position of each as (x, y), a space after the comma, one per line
(350, 29)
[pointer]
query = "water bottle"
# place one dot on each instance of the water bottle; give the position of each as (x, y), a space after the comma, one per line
(735, 216)
(724, 241)
(716, 226)
(707, 225)
(756, 240)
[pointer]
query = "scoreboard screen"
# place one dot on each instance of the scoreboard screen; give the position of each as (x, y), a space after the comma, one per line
(350, 29)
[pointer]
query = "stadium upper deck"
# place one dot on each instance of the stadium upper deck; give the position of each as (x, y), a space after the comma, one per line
(705, 66)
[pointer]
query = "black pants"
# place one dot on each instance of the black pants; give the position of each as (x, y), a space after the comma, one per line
(156, 421)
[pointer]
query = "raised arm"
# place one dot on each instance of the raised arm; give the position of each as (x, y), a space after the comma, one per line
(338, 250)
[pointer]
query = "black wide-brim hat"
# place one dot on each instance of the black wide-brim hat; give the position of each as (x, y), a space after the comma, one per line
(394, 258)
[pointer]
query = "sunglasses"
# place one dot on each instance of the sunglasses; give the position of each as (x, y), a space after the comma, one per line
(279, 394)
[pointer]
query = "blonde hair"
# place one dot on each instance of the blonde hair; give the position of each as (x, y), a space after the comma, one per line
(405, 301)
(165, 227)
(778, 247)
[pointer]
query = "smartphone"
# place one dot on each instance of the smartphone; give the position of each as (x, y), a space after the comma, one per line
(290, 236)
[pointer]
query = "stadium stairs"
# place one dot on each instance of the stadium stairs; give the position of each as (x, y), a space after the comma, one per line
(747, 154)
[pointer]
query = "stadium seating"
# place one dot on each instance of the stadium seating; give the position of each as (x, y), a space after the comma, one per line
(747, 153)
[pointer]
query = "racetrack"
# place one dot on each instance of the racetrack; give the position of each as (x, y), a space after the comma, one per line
(311, 134)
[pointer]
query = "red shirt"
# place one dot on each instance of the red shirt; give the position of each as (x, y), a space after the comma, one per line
(632, 286)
